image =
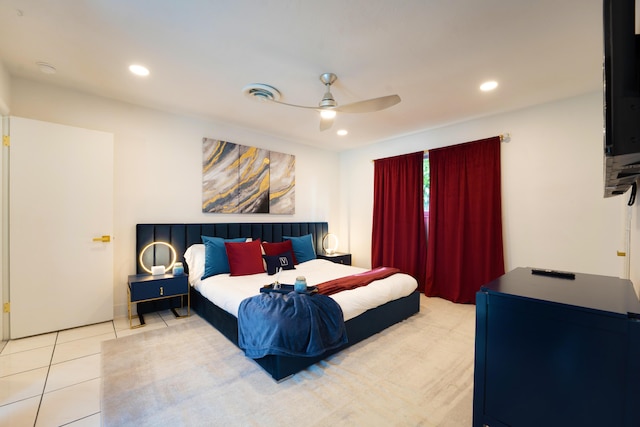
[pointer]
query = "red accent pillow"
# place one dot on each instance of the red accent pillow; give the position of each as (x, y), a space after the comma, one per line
(244, 258)
(279, 249)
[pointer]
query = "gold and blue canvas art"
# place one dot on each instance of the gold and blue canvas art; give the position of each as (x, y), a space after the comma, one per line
(242, 179)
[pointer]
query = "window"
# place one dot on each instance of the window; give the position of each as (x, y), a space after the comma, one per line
(425, 183)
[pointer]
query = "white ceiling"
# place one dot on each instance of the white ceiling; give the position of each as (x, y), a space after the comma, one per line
(201, 53)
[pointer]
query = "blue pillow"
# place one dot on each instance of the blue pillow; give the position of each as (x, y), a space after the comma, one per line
(302, 247)
(274, 262)
(215, 255)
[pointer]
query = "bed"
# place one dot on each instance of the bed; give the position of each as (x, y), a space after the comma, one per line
(360, 322)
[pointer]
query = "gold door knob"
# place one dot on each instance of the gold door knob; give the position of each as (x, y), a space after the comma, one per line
(104, 239)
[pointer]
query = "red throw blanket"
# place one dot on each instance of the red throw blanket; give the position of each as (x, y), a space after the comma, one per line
(355, 280)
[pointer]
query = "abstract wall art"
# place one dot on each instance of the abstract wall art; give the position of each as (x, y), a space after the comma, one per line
(241, 179)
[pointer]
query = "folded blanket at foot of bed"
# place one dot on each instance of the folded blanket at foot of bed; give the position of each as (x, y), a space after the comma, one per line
(289, 325)
(355, 280)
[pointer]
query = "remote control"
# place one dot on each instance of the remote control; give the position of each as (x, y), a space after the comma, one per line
(553, 273)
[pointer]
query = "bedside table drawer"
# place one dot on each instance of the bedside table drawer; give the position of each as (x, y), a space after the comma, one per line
(145, 287)
(338, 258)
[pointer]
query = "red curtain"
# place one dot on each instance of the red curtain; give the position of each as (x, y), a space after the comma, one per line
(465, 220)
(398, 237)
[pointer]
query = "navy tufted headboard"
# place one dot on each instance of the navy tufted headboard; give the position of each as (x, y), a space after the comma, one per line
(181, 236)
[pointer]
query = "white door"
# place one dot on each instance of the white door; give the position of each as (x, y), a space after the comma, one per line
(61, 198)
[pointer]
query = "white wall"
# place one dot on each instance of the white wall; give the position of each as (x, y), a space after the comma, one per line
(554, 212)
(5, 81)
(633, 214)
(158, 165)
(5, 97)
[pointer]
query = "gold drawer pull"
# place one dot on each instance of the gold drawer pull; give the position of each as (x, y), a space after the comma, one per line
(161, 291)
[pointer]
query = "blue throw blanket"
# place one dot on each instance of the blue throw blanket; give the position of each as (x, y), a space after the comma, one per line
(289, 325)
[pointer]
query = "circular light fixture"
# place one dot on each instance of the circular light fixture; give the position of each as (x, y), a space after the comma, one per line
(139, 70)
(151, 246)
(330, 243)
(342, 132)
(488, 86)
(46, 68)
(261, 92)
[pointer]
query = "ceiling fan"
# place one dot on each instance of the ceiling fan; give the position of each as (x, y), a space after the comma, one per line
(328, 107)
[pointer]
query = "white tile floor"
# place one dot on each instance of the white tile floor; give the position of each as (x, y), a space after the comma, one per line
(54, 379)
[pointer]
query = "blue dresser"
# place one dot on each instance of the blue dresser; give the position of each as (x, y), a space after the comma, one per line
(557, 352)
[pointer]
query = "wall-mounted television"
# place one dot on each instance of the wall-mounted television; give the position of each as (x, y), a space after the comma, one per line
(621, 97)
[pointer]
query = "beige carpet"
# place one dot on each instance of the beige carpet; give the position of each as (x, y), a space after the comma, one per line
(418, 372)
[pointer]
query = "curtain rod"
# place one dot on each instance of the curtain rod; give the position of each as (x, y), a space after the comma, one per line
(504, 137)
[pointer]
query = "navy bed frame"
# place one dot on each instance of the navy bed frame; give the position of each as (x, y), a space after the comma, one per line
(181, 236)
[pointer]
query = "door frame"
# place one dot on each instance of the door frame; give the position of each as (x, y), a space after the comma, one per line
(4, 224)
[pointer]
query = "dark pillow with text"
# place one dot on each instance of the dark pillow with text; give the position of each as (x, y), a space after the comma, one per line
(274, 262)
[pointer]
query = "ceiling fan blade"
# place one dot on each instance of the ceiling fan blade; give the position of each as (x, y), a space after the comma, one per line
(292, 105)
(325, 123)
(370, 105)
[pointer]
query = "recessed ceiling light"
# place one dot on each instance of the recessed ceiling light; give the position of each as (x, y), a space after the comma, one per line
(488, 86)
(46, 68)
(139, 70)
(342, 132)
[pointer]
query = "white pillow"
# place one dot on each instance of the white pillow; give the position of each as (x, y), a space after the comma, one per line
(194, 256)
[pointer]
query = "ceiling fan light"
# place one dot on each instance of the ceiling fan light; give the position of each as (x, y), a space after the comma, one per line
(327, 114)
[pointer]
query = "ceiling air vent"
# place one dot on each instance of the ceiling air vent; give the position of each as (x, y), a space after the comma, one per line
(261, 92)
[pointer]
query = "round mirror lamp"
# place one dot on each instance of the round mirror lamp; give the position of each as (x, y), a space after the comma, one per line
(330, 243)
(157, 254)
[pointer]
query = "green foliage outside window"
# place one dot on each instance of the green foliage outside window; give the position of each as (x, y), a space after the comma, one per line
(425, 178)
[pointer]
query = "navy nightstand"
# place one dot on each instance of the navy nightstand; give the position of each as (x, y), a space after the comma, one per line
(145, 287)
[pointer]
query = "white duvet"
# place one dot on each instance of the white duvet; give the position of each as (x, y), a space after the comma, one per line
(227, 292)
